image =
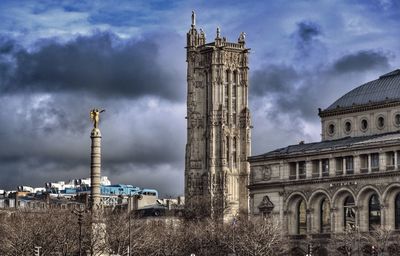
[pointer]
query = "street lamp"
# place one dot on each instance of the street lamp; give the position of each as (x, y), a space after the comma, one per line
(129, 220)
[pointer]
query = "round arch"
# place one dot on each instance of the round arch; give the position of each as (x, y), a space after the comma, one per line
(292, 206)
(320, 204)
(388, 201)
(363, 201)
(338, 215)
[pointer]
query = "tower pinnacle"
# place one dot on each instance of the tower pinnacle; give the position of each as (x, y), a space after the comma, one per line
(193, 19)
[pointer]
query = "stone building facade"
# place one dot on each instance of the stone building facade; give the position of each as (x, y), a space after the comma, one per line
(349, 179)
(218, 125)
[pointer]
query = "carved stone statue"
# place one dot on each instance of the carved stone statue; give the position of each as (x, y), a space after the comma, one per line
(95, 116)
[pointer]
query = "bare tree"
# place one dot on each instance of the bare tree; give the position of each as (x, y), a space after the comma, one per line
(256, 237)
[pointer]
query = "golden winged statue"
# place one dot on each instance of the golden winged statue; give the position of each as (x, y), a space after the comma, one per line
(95, 116)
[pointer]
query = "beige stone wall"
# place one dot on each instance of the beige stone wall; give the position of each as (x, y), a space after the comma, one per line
(355, 119)
(286, 194)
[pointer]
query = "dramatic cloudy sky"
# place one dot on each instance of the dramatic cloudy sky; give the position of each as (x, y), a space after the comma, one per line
(58, 59)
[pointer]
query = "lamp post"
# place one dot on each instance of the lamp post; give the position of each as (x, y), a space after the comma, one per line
(79, 212)
(129, 220)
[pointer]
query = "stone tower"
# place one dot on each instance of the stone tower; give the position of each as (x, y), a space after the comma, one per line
(218, 125)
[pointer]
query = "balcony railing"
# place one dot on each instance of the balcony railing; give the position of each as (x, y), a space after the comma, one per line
(302, 176)
(389, 167)
(375, 169)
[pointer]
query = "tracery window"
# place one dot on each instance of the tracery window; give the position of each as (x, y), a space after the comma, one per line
(234, 152)
(349, 213)
(301, 218)
(325, 216)
(374, 212)
(235, 77)
(227, 149)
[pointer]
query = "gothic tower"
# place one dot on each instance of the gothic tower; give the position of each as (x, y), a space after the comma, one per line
(218, 126)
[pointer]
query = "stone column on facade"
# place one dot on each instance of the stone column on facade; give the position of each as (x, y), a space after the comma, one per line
(344, 166)
(369, 163)
(382, 161)
(357, 164)
(383, 215)
(309, 213)
(332, 167)
(320, 167)
(333, 219)
(308, 169)
(395, 160)
(297, 170)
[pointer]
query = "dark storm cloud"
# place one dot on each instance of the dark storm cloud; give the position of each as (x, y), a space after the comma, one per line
(305, 36)
(273, 79)
(297, 92)
(362, 61)
(285, 88)
(307, 31)
(101, 64)
(46, 136)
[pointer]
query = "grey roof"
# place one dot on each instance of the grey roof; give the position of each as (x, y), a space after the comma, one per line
(386, 88)
(329, 145)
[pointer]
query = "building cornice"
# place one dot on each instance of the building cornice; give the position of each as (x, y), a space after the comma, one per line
(329, 179)
(359, 108)
(333, 150)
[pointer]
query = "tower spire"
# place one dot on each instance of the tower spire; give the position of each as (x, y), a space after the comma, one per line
(193, 19)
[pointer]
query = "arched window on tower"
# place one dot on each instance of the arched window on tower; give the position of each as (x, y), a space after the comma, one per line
(349, 213)
(397, 211)
(301, 218)
(235, 77)
(227, 149)
(234, 152)
(325, 216)
(374, 212)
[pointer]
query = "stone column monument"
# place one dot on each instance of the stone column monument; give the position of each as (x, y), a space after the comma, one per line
(98, 239)
(95, 166)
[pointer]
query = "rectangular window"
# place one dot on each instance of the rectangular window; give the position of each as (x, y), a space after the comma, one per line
(375, 162)
(292, 171)
(390, 161)
(315, 168)
(364, 163)
(302, 170)
(325, 167)
(349, 165)
(339, 165)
